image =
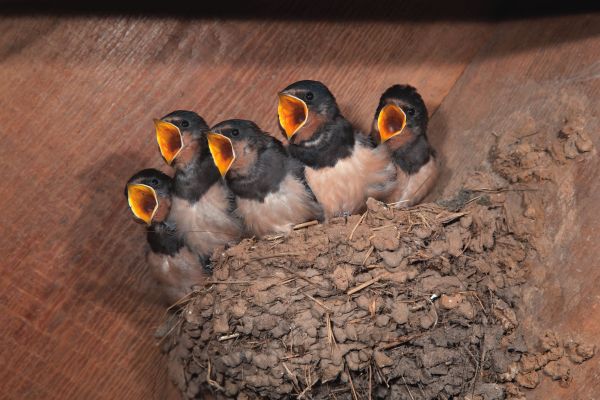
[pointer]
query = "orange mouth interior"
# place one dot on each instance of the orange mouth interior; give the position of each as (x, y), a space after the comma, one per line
(292, 112)
(222, 152)
(390, 122)
(170, 140)
(142, 201)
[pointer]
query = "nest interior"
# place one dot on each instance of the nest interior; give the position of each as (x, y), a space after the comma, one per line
(419, 303)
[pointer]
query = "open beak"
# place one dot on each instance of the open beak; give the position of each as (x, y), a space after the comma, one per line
(170, 140)
(222, 152)
(390, 122)
(143, 201)
(292, 112)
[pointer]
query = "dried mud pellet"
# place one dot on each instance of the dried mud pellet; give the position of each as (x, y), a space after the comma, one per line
(232, 360)
(570, 148)
(382, 320)
(231, 389)
(399, 313)
(392, 259)
(382, 360)
(221, 324)
(583, 143)
(426, 321)
(579, 353)
(529, 362)
(422, 231)
(557, 370)
(528, 380)
(549, 341)
(383, 242)
(397, 277)
(449, 302)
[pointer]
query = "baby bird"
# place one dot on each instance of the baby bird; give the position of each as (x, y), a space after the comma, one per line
(202, 206)
(271, 193)
(176, 269)
(342, 167)
(400, 126)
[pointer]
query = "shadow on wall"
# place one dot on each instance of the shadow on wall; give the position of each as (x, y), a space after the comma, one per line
(107, 246)
(108, 249)
(411, 10)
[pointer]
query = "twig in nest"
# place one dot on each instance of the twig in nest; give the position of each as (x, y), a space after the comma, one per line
(362, 217)
(210, 381)
(396, 203)
(383, 378)
(364, 285)
(354, 394)
(477, 366)
(286, 281)
(499, 190)
(399, 341)
(471, 354)
(276, 255)
(184, 300)
(305, 224)
(228, 337)
(369, 252)
(474, 294)
(292, 377)
(273, 237)
(445, 217)
(230, 282)
(166, 335)
(330, 337)
(309, 382)
(407, 388)
(379, 228)
(425, 220)
(299, 276)
(318, 302)
(373, 307)
(435, 311)
(370, 381)
(473, 199)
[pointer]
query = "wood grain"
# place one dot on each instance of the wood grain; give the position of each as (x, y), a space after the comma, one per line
(77, 98)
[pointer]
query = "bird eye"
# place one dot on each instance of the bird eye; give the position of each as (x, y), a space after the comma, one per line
(309, 96)
(154, 182)
(235, 132)
(185, 123)
(410, 111)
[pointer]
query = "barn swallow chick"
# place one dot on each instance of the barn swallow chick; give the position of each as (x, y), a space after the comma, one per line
(202, 206)
(271, 193)
(400, 126)
(342, 167)
(176, 269)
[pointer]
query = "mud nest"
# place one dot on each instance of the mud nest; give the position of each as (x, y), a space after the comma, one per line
(419, 303)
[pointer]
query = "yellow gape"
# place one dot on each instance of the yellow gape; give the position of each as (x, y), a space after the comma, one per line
(222, 152)
(143, 201)
(391, 122)
(292, 112)
(169, 140)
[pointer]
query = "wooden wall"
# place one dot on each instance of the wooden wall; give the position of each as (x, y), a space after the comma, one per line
(77, 98)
